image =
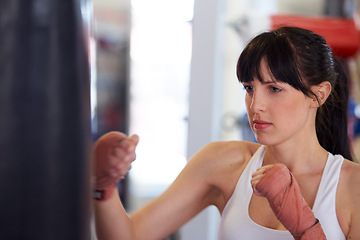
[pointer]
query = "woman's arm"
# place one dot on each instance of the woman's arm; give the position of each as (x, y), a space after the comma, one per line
(113, 154)
(354, 232)
(351, 174)
(191, 192)
(111, 219)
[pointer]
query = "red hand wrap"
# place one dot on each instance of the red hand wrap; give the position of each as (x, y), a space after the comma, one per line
(314, 233)
(282, 191)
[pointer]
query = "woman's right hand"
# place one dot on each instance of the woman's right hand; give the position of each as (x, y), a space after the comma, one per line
(113, 152)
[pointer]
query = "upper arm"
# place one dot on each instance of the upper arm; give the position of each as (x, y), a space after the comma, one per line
(354, 202)
(193, 190)
(354, 231)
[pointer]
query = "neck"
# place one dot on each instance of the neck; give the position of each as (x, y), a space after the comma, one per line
(298, 158)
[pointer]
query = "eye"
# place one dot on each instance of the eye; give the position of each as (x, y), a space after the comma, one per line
(275, 89)
(249, 89)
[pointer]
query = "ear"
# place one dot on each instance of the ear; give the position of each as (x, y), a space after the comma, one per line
(322, 92)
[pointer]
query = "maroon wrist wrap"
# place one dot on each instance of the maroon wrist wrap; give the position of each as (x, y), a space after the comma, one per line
(103, 194)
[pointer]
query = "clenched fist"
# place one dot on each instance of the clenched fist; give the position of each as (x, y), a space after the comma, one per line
(113, 154)
(277, 184)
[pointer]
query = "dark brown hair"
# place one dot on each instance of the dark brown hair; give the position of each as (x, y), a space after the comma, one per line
(302, 59)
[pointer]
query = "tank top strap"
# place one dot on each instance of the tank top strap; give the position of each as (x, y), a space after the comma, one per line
(329, 181)
(325, 202)
(256, 161)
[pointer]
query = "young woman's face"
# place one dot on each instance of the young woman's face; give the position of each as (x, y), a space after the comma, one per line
(278, 112)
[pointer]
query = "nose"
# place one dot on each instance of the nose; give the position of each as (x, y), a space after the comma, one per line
(257, 102)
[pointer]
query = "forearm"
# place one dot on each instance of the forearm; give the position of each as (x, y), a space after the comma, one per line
(111, 220)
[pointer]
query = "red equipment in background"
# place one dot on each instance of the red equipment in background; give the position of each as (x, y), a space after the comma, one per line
(340, 34)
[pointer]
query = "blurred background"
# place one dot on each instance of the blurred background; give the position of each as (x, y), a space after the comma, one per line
(182, 91)
(164, 69)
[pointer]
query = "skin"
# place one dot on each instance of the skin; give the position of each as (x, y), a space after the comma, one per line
(282, 118)
(109, 149)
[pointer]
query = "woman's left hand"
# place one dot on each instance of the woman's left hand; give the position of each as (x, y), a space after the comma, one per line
(256, 177)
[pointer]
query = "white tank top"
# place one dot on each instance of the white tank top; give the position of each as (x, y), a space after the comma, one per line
(236, 223)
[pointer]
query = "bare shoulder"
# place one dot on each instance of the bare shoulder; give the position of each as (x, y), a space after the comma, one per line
(219, 157)
(232, 147)
(350, 182)
(350, 174)
(222, 164)
(226, 153)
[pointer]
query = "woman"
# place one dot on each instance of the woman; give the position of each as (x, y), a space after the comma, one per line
(291, 184)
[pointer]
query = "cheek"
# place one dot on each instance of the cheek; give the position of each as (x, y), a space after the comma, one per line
(291, 114)
(247, 102)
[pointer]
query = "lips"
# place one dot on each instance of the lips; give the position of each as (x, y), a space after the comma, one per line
(260, 125)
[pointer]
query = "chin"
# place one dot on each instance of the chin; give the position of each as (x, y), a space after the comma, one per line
(264, 140)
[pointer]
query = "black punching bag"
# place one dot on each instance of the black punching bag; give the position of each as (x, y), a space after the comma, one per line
(44, 121)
